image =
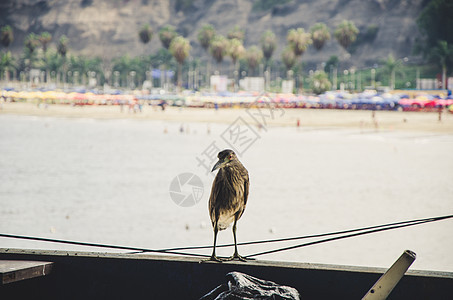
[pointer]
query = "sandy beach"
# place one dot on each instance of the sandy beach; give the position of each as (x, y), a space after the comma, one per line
(383, 120)
(108, 181)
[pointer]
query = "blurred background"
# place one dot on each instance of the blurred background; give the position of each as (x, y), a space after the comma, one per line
(127, 43)
(104, 103)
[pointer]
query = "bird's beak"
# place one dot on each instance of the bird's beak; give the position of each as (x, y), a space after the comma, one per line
(217, 165)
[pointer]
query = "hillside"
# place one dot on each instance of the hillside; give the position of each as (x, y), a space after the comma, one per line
(110, 27)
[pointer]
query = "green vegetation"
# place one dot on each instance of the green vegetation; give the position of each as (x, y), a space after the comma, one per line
(31, 42)
(319, 82)
(6, 63)
(331, 63)
(180, 48)
(405, 76)
(392, 65)
(435, 23)
(62, 46)
(45, 39)
(289, 58)
(236, 50)
(320, 35)
(346, 33)
(218, 48)
(299, 40)
(268, 44)
(253, 56)
(6, 35)
(442, 53)
(145, 34)
(57, 64)
(205, 35)
(166, 35)
(236, 33)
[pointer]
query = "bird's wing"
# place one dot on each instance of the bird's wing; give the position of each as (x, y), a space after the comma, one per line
(214, 197)
(246, 188)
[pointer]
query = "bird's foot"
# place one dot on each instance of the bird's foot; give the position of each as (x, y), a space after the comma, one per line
(212, 258)
(236, 256)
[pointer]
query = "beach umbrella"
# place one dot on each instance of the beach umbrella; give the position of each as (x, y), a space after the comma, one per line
(22, 95)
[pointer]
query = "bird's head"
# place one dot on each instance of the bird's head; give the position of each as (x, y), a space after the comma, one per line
(225, 158)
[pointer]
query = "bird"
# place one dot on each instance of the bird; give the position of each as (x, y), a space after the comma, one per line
(228, 198)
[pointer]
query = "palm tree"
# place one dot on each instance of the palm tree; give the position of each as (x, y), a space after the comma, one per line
(6, 35)
(253, 56)
(288, 58)
(166, 35)
(299, 40)
(6, 63)
(236, 33)
(320, 35)
(62, 49)
(236, 51)
(331, 63)
(62, 46)
(346, 33)
(45, 39)
(79, 68)
(180, 48)
(268, 44)
(54, 62)
(331, 68)
(31, 42)
(94, 67)
(122, 65)
(442, 53)
(83, 65)
(218, 48)
(205, 35)
(392, 65)
(130, 70)
(319, 82)
(145, 34)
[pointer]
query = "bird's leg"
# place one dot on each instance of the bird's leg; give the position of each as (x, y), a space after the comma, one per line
(213, 256)
(236, 253)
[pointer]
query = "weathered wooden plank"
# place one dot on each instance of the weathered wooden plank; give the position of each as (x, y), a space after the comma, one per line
(16, 270)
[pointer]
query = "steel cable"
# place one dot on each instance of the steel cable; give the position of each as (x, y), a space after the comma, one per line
(338, 235)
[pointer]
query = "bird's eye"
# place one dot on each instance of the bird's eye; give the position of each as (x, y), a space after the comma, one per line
(230, 157)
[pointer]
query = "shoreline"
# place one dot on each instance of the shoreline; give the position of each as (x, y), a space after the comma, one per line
(280, 117)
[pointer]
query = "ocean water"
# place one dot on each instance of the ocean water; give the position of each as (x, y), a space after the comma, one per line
(108, 181)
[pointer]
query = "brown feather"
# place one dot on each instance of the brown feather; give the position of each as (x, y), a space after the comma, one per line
(229, 194)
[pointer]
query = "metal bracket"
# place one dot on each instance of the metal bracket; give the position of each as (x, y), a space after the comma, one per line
(384, 286)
